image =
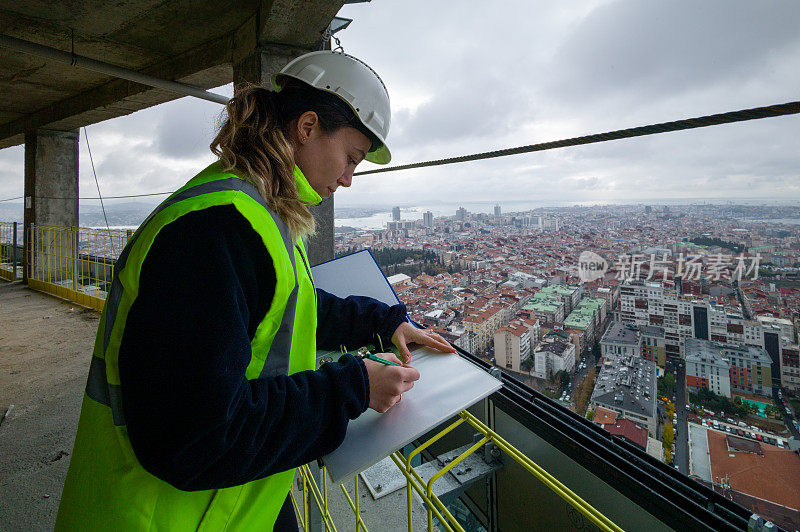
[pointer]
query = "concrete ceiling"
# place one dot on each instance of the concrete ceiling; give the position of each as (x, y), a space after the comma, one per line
(194, 42)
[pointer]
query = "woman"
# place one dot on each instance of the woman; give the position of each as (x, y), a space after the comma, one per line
(202, 396)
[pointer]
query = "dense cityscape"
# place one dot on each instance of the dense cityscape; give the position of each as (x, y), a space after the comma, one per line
(675, 328)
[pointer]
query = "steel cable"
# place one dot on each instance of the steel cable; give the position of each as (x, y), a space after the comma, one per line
(664, 127)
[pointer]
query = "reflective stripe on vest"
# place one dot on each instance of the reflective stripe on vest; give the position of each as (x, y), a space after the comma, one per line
(277, 361)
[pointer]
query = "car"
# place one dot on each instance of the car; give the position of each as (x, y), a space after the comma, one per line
(728, 429)
(754, 428)
(739, 432)
(769, 440)
(781, 444)
(759, 437)
(742, 424)
(732, 422)
(567, 398)
(688, 408)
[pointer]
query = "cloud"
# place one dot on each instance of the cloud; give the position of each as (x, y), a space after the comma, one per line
(12, 172)
(641, 50)
(187, 126)
(480, 76)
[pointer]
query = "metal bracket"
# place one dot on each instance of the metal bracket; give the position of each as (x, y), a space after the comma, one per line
(759, 524)
(384, 478)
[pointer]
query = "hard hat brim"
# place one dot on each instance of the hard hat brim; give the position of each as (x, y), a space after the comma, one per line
(379, 156)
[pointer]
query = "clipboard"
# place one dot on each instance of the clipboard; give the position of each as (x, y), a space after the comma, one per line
(447, 384)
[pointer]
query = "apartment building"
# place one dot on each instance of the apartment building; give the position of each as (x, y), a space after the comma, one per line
(790, 367)
(512, 346)
(482, 324)
(682, 317)
(652, 344)
(627, 385)
(726, 369)
(581, 319)
(570, 295)
(778, 334)
(546, 310)
(551, 356)
(751, 369)
(706, 367)
(621, 339)
(650, 303)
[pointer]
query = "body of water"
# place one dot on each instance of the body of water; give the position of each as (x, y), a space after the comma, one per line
(378, 220)
(790, 221)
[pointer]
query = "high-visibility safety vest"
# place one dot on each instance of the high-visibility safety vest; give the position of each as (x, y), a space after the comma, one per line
(106, 486)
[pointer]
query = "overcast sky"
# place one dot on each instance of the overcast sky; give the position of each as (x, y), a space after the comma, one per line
(473, 76)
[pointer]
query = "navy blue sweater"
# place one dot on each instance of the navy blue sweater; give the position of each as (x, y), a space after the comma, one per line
(193, 418)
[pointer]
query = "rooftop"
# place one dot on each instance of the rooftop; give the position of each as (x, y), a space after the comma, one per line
(704, 352)
(652, 331)
(621, 333)
(604, 416)
(541, 306)
(774, 476)
(578, 320)
(553, 345)
(751, 353)
(627, 383)
(629, 430)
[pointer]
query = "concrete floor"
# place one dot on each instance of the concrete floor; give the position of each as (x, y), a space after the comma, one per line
(45, 349)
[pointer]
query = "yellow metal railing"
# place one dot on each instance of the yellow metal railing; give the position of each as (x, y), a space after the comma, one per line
(435, 508)
(10, 256)
(74, 263)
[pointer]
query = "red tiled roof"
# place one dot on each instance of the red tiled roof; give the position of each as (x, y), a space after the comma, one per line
(603, 416)
(775, 476)
(630, 430)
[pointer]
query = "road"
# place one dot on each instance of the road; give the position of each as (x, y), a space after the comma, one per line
(577, 377)
(681, 430)
(787, 418)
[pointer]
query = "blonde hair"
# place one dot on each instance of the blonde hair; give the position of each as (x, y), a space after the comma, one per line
(252, 142)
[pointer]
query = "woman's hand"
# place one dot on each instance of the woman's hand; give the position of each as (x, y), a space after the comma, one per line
(407, 333)
(387, 384)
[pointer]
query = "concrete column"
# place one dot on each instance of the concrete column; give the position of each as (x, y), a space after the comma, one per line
(51, 171)
(258, 67)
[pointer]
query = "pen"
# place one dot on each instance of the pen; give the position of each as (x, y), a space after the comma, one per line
(370, 356)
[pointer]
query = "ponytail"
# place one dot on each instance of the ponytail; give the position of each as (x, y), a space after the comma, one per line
(253, 142)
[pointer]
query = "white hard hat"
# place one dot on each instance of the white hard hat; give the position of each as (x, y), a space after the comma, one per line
(355, 83)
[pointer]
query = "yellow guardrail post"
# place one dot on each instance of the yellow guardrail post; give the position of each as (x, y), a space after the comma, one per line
(358, 504)
(418, 484)
(355, 506)
(318, 497)
(305, 501)
(74, 268)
